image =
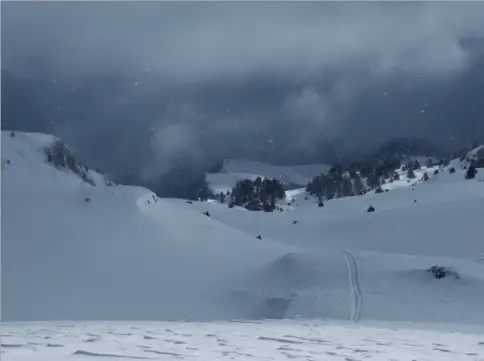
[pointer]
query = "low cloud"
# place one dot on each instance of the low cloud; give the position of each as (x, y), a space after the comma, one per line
(158, 80)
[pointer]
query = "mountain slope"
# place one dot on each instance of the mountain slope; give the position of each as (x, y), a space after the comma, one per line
(71, 250)
(74, 251)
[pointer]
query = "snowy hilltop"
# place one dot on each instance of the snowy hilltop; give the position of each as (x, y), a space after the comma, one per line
(76, 246)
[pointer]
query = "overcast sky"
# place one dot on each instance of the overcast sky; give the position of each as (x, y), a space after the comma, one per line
(254, 79)
(195, 41)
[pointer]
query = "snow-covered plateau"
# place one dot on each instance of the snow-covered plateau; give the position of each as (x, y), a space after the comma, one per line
(95, 270)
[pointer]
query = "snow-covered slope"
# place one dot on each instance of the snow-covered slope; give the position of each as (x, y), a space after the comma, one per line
(74, 251)
(235, 169)
(24, 163)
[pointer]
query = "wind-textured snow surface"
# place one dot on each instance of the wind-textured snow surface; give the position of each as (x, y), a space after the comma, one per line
(275, 340)
(74, 251)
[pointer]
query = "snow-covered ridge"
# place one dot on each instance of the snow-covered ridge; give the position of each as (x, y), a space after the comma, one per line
(27, 159)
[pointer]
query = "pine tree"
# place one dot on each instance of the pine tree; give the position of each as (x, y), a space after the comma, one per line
(346, 186)
(410, 173)
(358, 185)
(372, 181)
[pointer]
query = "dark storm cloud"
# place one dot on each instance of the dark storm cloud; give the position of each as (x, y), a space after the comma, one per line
(151, 81)
(200, 40)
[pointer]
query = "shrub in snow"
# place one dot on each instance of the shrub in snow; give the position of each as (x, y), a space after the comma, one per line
(189, 202)
(259, 237)
(207, 213)
(452, 170)
(425, 177)
(268, 207)
(87, 199)
(320, 204)
(294, 222)
(437, 171)
(471, 172)
(379, 190)
(441, 272)
(253, 205)
(371, 209)
(12, 134)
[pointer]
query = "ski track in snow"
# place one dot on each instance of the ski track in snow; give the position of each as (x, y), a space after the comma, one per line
(265, 340)
(356, 294)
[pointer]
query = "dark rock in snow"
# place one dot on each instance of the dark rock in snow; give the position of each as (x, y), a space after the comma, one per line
(442, 272)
